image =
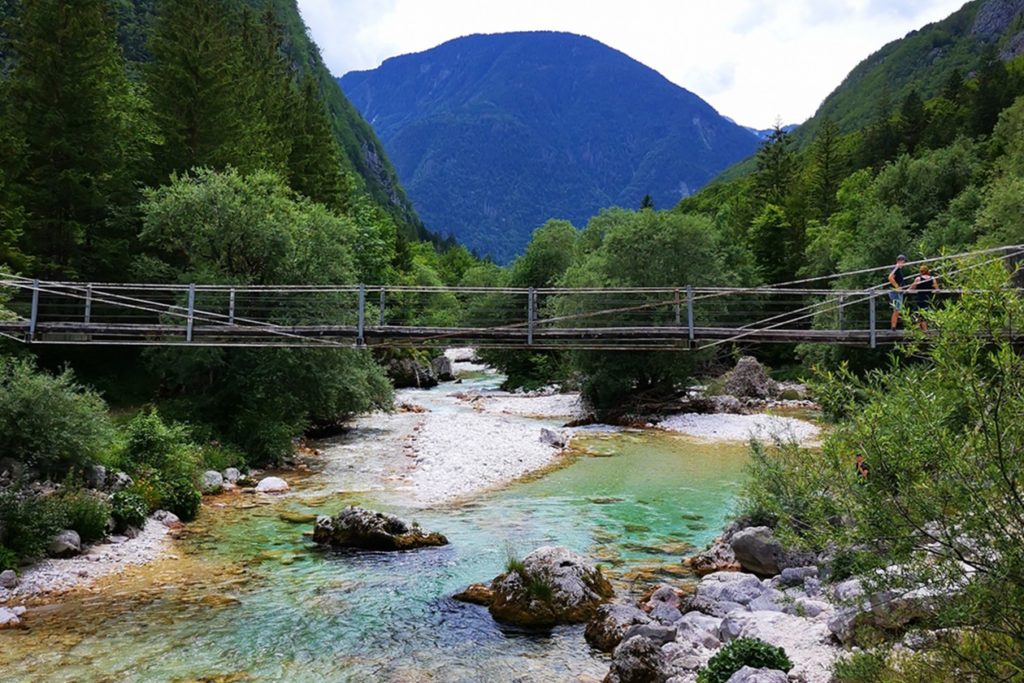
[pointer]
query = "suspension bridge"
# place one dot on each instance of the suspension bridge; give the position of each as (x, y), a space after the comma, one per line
(389, 316)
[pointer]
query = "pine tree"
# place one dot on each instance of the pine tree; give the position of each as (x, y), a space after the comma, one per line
(315, 162)
(197, 60)
(827, 170)
(647, 202)
(775, 167)
(913, 121)
(71, 106)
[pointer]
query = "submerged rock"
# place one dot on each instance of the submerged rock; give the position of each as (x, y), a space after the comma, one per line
(552, 586)
(356, 527)
(272, 485)
(476, 594)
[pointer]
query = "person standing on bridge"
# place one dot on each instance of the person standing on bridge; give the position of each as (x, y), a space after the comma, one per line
(896, 279)
(925, 284)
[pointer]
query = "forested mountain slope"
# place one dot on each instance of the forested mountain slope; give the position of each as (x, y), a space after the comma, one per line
(494, 134)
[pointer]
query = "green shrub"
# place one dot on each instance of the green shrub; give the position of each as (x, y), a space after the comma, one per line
(539, 589)
(182, 498)
(150, 488)
(85, 513)
(149, 441)
(740, 653)
(219, 457)
(867, 666)
(129, 510)
(29, 522)
(8, 560)
(49, 422)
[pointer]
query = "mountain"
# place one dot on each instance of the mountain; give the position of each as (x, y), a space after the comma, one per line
(494, 134)
(764, 133)
(924, 60)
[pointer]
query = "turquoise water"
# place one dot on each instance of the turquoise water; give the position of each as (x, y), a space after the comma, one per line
(248, 597)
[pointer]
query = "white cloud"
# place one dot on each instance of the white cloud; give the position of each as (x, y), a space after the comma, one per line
(753, 60)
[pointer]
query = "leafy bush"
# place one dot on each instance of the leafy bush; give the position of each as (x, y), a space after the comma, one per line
(182, 498)
(151, 441)
(867, 666)
(740, 653)
(85, 513)
(49, 422)
(8, 560)
(129, 510)
(150, 488)
(28, 522)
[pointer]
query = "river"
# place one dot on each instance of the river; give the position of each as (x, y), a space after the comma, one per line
(243, 595)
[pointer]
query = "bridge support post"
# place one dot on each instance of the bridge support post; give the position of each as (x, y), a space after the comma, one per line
(361, 324)
(231, 307)
(691, 336)
(676, 306)
(871, 320)
(842, 312)
(34, 314)
(190, 316)
(382, 300)
(88, 304)
(531, 302)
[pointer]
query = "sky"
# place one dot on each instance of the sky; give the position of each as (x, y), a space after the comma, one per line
(756, 61)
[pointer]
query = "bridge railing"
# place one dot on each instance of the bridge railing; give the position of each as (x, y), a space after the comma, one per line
(391, 315)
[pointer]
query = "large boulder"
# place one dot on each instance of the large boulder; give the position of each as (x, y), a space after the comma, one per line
(863, 614)
(718, 558)
(442, 369)
(356, 527)
(95, 477)
(749, 674)
(8, 579)
(609, 625)
(721, 592)
(212, 482)
(758, 551)
(66, 543)
(749, 379)
(553, 585)
(408, 373)
(638, 660)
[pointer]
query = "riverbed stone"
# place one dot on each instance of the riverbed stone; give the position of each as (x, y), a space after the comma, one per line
(554, 585)
(638, 660)
(665, 613)
(357, 527)
(119, 481)
(66, 543)
(11, 617)
(731, 587)
(408, 373)
(272, 485)
(168, 519)
(749, 379)
(232, 475)
(609, 624)
(476, 594)
(8, 579)
(757, 550)
(659, 633)
(211, 482)
(749, 674)
(699, 629)
(553, 438)
(718, 558)
(442, 368)
(95, 477)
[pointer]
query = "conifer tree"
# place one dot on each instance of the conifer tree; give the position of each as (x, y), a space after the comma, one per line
(197, 60)
(827, 170)
(913, 121)
(70, 105)
(315, 162)
(775, 166)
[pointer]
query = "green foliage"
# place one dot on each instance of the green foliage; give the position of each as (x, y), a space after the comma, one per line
(85, 512)
(128, 510)
(29, 522)
(514, 564)
(181, 497)
(740, 653)
(8, 559)
(151, 442)
(49, 422)
(539, 589)
(941, 433)
(866, 666)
